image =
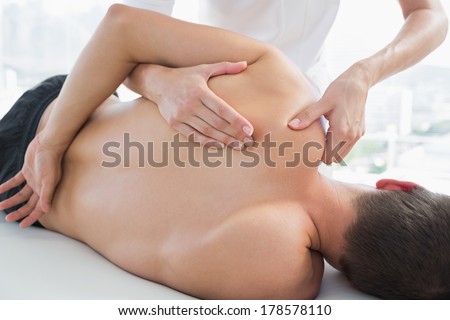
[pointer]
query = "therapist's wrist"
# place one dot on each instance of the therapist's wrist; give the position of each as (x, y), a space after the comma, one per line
(366, 72)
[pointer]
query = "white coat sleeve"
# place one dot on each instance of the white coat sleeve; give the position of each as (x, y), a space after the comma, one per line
(161, 6)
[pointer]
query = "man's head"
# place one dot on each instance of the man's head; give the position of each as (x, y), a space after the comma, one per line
(399, 245)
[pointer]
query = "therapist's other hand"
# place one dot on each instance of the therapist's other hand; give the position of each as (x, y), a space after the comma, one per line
(41, 172)
(343, 105)
(190, 107)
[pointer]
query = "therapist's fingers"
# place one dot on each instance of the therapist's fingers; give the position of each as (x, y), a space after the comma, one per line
(346, 150)
(196, 136)
(217, 128)
(239, 127)
(312, 113)
(337, 148)
(209, 131)
(15, 181)
(20, 197)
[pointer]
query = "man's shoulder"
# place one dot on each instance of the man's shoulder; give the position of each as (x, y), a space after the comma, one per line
(270, 244)
(258, 252)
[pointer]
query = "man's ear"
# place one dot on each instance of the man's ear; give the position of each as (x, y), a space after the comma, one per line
(391, 184)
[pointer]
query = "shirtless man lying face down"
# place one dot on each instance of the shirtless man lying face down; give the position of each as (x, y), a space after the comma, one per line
(218, 223)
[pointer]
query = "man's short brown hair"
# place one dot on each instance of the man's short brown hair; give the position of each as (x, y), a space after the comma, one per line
(399, 245)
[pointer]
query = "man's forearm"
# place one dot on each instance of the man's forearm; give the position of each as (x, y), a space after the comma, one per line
(137, 81)
(423, 31)
(142, 81)
(97, 73)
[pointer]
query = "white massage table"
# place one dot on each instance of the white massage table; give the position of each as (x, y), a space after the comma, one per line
(39, 264)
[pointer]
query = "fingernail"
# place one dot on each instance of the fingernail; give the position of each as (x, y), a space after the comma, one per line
(247, 130)
(213, 144)
(294, 123)
(236, 145)
(217, 145)
(248, 142)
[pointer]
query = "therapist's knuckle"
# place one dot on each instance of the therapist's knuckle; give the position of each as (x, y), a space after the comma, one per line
(199, 138)
(225, 66)
(362, 132)
(208, 69)
(197, 92)
(354, 134)
(219, 123)
(308, 115)
(206, 130)
(231, 142)
(173, 122)
(182, 111)
(345, 137)
(222, 111)
(184, 106)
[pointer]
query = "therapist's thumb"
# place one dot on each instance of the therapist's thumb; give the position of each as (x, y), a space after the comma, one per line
(217, 69)
(308, 116)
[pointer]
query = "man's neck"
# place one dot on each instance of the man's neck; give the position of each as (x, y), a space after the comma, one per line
(332, 211)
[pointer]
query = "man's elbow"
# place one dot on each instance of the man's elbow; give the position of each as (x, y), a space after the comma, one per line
(117, 16)
(117, 11)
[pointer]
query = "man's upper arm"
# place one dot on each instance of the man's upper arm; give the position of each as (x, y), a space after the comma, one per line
(158, 39)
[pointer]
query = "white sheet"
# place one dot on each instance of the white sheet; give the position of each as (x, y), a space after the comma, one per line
(39, 264)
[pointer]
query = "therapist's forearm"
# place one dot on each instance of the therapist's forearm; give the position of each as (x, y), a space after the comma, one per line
(423, 31)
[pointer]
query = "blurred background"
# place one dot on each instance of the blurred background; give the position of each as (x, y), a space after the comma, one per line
(407, 116)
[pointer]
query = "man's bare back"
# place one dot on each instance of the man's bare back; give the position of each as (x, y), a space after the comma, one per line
(216, 231)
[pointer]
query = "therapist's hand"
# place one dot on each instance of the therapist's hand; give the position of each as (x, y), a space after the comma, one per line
(189, 106)
(41, 172)
(343, 105)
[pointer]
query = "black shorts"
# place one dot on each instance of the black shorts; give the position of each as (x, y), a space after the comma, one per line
(18, 128)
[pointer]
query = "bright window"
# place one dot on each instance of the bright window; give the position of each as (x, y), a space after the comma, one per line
(408, 115)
